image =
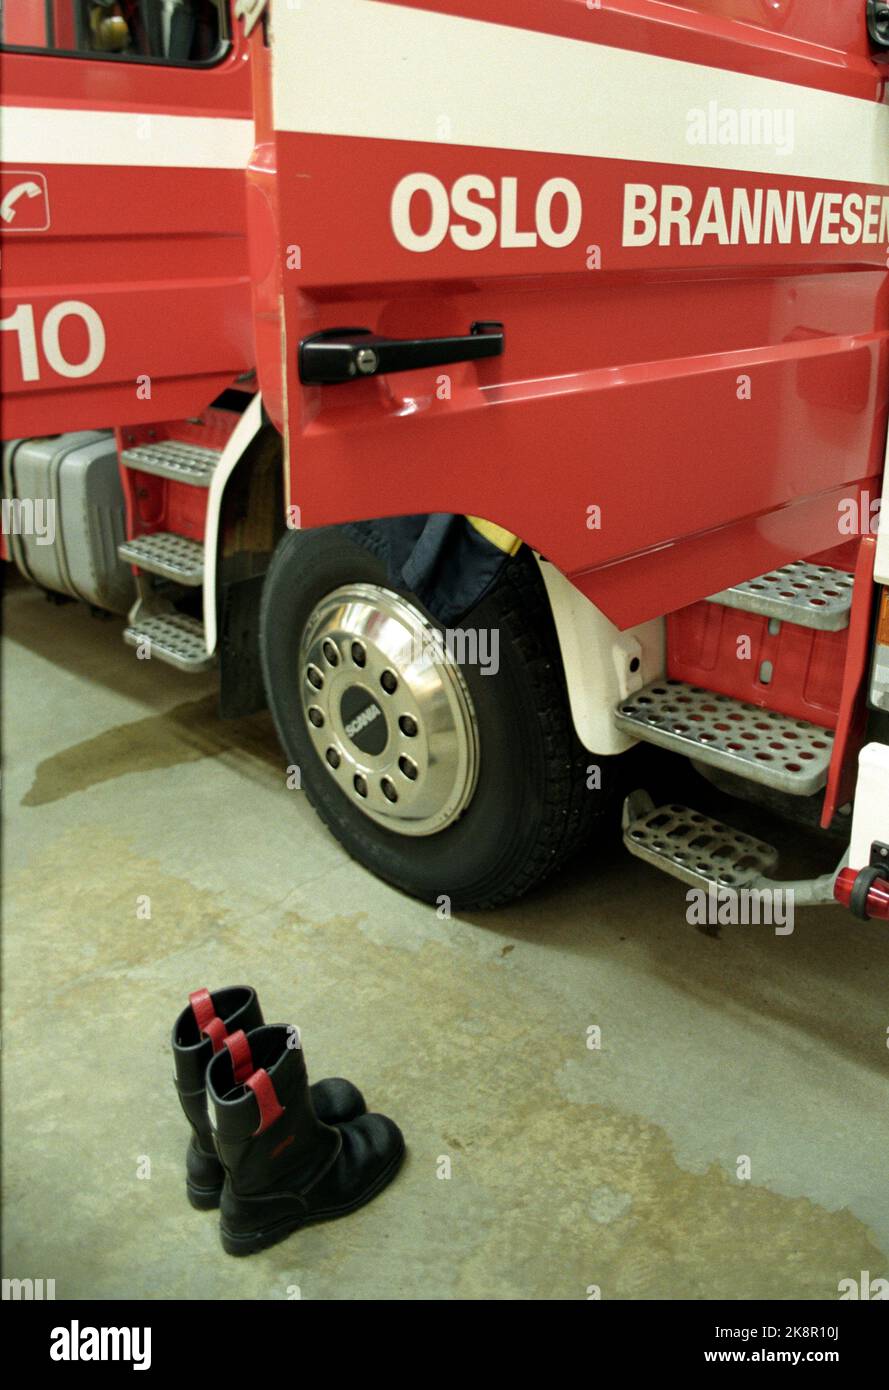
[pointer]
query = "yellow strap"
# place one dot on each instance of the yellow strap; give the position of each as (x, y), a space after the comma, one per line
(504, 540)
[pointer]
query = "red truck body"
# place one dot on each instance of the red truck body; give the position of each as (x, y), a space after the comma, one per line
(624, 360)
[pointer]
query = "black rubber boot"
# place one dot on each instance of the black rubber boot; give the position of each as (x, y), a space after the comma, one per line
(199, 1031)
(284, 1167)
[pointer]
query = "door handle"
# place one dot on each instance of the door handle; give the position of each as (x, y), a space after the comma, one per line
(347, 354)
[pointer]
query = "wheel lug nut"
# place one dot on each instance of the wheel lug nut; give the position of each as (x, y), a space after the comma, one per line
(388, 789)
(332, 757)
(359, 655)
(407, 725)
(359, 784)
(408, 768)
(316, 717)
(315, 677)
(389, 682)
(331, 655)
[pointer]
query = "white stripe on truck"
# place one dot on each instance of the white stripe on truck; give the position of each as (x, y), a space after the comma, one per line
(43, 135)
(362, 68)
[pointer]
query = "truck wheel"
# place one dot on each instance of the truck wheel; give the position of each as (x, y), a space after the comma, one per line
(440, 778)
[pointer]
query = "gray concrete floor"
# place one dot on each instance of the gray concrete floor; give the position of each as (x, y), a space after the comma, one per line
(570, 1167)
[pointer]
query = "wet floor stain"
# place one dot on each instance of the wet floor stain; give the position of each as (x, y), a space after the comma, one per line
(184, 734)
(98, 908)
(549, 1197)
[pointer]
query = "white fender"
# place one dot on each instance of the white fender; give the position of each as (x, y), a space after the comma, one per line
(870, 817)
(602, 664)
(881, 559)
(244, 433)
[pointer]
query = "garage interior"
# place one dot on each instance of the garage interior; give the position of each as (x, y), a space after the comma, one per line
(573, 1170)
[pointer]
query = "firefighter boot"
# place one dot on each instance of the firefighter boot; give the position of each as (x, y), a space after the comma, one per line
(199, 1032)
(284, 1167)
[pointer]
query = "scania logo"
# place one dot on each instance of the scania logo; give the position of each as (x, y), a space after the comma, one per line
(362, 719)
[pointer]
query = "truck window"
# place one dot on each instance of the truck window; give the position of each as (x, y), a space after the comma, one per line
(182, 33)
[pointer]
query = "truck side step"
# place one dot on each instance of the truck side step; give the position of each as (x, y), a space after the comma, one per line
(810, 595)
(171, 637)
(174, 459)
(173, 557)
(777, 750)
(694, 847)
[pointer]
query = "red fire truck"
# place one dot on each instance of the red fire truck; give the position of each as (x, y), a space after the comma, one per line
(491, 387)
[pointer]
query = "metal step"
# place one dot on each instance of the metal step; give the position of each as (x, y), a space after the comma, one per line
(173, 557)
(171, 637)
(172, 458)
(762, 745)
(696, 848)
(810, 595)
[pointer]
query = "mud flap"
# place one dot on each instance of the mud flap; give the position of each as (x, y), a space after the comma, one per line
(241, 689)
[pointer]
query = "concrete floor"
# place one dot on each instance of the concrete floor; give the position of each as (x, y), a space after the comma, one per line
(570, 1167)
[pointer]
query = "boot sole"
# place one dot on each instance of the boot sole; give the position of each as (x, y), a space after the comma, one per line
(261, 1240)
(203, 1198)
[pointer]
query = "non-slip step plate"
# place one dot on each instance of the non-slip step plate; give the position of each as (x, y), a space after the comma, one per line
(810, 595)
(776, 750)
(172, 637)
(172, 458)
(173, 557)
(698, 849)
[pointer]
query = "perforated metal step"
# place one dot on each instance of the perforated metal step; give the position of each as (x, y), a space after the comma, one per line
(761, 745)
(171, 458)
(173, 557)
(810, 595)
(171, 637)
(698, 849)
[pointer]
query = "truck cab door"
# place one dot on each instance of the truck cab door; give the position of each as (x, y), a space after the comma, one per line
(126, 130)
(679, 214)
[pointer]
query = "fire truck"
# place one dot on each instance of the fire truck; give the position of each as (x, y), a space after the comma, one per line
(493, 388)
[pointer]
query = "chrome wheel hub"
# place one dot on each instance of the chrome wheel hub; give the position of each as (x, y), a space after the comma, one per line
(388, 710)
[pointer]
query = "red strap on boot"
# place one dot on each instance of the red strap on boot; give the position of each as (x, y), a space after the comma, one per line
(242, 1058)
(270, 1108)
(209, 1025)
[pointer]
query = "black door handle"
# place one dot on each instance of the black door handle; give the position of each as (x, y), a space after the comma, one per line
(348, 354)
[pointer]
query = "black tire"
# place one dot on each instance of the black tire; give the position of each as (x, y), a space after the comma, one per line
(531, 808)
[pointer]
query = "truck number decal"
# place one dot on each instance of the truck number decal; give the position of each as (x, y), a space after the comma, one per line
(22, 323)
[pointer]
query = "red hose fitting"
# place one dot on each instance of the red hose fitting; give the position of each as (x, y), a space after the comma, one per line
(872, 897)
